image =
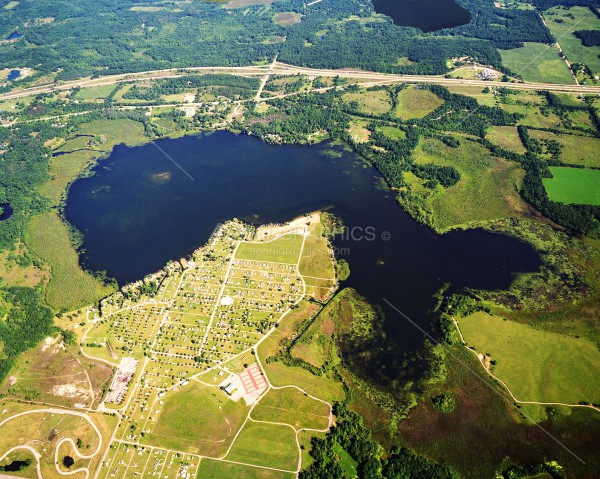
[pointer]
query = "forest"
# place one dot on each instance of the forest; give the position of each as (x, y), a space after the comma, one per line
(349, 437)
(99, 37)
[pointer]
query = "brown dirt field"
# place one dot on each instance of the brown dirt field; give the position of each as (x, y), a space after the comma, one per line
(55, 374)
(287, 18)
(247, 3)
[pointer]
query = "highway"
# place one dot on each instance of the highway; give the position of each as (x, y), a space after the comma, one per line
(278, 68)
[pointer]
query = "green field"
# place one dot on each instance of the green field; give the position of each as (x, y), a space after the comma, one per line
(95, 93)
(564, 30)
(576, 150)
(536, 365)
(534, 116)
(415, 102)
(392, 132)
(198, 418)
(487, 189)
(293, 407)
(69, 286)
(281, 250)
(506, 137)
(211, 469)
(536, 62)
(319, 386)
(577, 186)
(266, 445)
(370, 102)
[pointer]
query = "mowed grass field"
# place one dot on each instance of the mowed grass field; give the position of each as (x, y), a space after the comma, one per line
(536, 62)
(414, 102)
(69, 287)
(95, 93)
(268, 445)
(565, 29)
(212, 469)
(198, 419)
(506, 137)
(370, 102)
(577, 150)
(323, 387)
(578, 186)
(293, 407)
(487, 188)
(281, 250)
(536, 365)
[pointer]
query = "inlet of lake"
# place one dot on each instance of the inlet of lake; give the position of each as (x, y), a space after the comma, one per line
(140, 210)
(428, 15)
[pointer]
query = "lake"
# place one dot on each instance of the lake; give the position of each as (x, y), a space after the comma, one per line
(14, 36)
(428, 15)
(13, 75)
(5, 211)
(139, 210)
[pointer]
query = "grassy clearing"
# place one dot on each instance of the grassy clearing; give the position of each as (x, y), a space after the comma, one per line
(11, 5)
(487, 189)
(370, 102)
(476, 92)
(533, 116)
(358, 132)
(506, 137)
(577, 150)
(392, 132)
(212, 469)
(316, 345)
(578, 186)
(69, 287)
(536, 365)
(535, 62)
(292, 407)
(564, 29)
(94, 93)
(197, 419)
(323, 387)
(270, 346)
(266, 445)
(414, 102)
(316, 257)
(282, 250)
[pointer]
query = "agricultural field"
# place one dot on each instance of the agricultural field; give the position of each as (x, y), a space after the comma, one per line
(414, 102)
(578, 186)
(536, 365)
(536, 62)
(563, 23)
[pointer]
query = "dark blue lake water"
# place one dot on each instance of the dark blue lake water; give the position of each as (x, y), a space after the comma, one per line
(139, 211)
(5, 211)
(13, 75)
(14, 36)
(428, 15)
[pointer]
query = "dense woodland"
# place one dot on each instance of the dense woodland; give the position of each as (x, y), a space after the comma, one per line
(349, 449)
(100, 37)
